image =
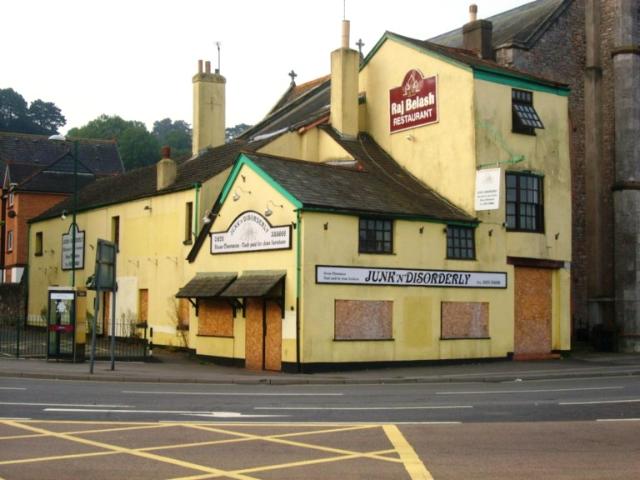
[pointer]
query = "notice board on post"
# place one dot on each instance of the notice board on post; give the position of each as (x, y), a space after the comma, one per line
(105, 278)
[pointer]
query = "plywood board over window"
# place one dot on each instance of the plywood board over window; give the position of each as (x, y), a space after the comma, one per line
(464, 320)
(363, 320)
(215, 318)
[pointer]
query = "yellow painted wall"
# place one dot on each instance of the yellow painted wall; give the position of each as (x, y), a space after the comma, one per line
(261, 194)
(416, 310)
(313, 145)
(151, 256)
(442, 155)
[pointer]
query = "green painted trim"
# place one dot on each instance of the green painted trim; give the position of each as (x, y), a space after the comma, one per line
(243, 160)
(504, 78)
(410, 218)
(390, 36)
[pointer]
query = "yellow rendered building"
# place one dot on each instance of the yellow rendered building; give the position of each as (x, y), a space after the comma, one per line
(415, 206)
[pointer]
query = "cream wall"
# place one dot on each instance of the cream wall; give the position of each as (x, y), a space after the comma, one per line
(261, 194)
(416, 310)
(312, 145)
(151, 256)
(446, 147)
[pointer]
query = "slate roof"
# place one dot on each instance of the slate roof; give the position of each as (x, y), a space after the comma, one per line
(294, 91)
(469, 58)
(521, 26)
(141, 182)
(100, 156)
(254, 283)
(379, 186)
(206, 285)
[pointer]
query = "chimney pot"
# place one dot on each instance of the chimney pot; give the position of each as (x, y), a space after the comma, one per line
(166, 151)
(345, 33)
(207, 66)
(473, 12)
(199, 66)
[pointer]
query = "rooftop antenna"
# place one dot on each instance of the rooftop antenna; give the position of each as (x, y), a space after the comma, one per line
(218, 47)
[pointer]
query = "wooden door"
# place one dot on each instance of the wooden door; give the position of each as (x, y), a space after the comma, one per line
(253, 346)
(532, 332)
(273, 340)
(143, 305)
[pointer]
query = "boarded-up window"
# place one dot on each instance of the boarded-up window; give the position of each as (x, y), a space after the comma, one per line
(215, 318)
(465, 319)
(183, 312)
(363, 320)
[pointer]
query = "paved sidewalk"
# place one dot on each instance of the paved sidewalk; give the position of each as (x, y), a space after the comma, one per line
(178, 367)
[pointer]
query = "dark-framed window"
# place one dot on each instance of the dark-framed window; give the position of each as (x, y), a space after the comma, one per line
(525, 119)
(376, 235)
(461, 242)
(39, 238)
(525, 202)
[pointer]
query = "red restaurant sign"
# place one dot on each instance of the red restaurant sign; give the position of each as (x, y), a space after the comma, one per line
(414, 103)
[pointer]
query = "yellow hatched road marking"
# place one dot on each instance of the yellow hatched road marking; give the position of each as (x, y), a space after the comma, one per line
(413, 464)
(150, 456)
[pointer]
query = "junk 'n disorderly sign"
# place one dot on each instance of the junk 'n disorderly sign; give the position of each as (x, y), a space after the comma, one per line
(251, 232)
(402, 277)
(414, 103)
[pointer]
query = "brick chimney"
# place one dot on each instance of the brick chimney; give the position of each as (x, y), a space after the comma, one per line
(166, 170)
(208, 108)
(345, 65)
(477, 35)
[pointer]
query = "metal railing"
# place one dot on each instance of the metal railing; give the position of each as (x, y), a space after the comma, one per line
(21, 339)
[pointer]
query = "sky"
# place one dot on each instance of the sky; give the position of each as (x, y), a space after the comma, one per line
(136, 58)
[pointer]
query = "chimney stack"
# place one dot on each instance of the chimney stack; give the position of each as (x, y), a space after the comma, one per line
(208, 108)
(477, 35)
(166, 170)
(345, 65)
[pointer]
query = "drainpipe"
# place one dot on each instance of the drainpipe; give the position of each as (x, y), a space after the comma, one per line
(196, 209)
(298, 285)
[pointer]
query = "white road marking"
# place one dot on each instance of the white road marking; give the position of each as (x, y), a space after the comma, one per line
(12, 388)
(17, 419)
(548, 390)
(79, 405)
(424, 407)
(598, 402)
(618, 420)
(163, 412)
(230, 394)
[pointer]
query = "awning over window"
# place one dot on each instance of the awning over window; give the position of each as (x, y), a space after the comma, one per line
(206, 285)
(256, 283)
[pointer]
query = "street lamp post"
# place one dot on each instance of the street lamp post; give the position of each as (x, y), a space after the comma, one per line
(74, 207)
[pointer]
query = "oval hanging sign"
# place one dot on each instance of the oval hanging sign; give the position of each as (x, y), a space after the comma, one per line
(414, 103)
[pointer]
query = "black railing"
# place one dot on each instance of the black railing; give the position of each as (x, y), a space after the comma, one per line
(22, 339)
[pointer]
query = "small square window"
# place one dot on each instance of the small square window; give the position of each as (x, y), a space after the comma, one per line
(525, 119)
(461, 242)
(375, 236)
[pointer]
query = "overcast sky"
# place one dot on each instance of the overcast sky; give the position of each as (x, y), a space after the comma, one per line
(135, 58)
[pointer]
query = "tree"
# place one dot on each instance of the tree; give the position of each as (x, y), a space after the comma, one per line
(175, 134)
(45, 117)
(137, 146)
(232, 132)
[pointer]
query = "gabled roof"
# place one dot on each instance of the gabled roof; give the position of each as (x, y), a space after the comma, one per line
(294, 91)
(100, 156)
(141, 182)
(520, 27)
(467, 59)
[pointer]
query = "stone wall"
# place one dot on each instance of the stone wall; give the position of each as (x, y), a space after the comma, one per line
(13, 297)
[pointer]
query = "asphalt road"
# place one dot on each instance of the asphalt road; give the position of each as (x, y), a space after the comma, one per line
(603, 398)
(560, 429)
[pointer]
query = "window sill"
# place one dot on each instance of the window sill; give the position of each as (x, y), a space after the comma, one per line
(214, 336)
(463, 259)
(519, 230)
(37, 254)
(363, 340)
(465, 338)
(187, 242)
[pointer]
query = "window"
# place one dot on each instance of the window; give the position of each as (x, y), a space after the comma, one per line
(524, 117)
(363, 320)
(461, 242)
(464, 320)
(115, 231)
(188, 219)
(525, 195)
(11, 199)
(376, 236)
(38, 252)
(10, 241)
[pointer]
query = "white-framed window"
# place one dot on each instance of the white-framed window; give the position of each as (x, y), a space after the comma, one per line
(10, 241)
(11, 199)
